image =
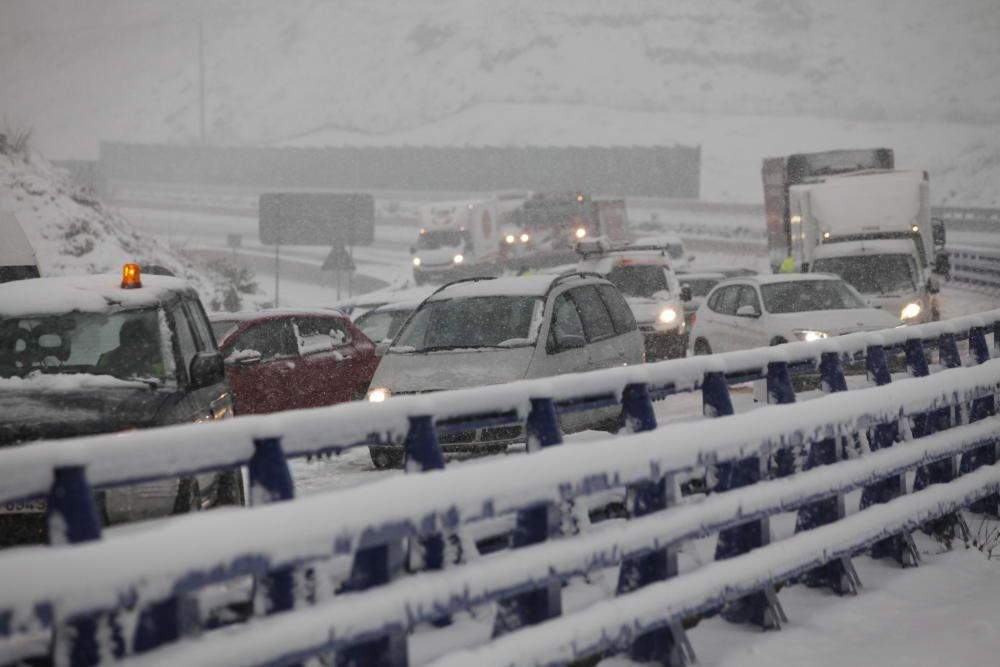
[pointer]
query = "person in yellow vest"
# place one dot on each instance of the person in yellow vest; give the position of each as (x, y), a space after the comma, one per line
(787, 265)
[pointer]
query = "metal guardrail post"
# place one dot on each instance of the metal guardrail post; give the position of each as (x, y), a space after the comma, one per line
(759, 608)
(981, 408)
(422, 452)
(271, 481)
(936, 420)
(780, 392)
(900, 547)
(534, 525)
(73, 517)
(839, 575)
(667, 645)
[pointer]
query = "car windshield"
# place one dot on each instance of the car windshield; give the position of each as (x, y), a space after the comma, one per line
(126, 345)
(472, 322)
(439, 239)
(639, 279)
(872, 274)
(805, 295)
(223, 328)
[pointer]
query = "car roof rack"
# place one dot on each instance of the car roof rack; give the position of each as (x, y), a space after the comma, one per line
(460, 280)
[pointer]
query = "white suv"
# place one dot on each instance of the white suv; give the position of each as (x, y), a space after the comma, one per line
(490, 331)
(757, 311)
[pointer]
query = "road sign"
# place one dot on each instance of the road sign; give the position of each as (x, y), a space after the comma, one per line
(316, 218)
(338, 260)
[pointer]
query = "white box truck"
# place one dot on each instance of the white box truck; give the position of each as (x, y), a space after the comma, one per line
(457, 240)
(873, 229)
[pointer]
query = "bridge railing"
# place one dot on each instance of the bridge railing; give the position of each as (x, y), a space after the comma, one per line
(263, 444)
(147, 574)
(976, 266)
(122, 459)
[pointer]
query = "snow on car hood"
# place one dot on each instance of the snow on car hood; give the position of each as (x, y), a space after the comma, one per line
(836, 322)
(46, 407)
(410, 372)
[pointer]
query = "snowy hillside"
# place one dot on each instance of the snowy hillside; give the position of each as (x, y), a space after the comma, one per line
(74, 234)
(850, 73)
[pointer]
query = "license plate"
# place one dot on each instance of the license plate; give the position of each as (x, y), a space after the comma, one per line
(24, 506)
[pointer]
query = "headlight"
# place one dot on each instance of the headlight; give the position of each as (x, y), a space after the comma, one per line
(581, 232)
(416, 261)
(458, 259)
(525, 238)
(668, 315)
(810, 336)
(910, 311)
(378, 395)
(509, 238)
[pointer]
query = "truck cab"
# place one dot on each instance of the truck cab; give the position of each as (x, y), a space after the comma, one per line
(873, 229)
(456, 240)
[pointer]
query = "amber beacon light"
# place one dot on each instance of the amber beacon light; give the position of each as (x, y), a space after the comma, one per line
(131, 276)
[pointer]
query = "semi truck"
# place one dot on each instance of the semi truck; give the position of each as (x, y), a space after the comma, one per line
(873, 229)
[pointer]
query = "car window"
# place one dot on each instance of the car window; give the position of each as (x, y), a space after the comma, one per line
(273, 339)
(565, 321)
(472, 322)
(186, 344)
(375, 325)
(748, 297)
(806, 295)
(621, 314)
(727, 299)
(320, 334)
(713, 300)
(206, 339)
(596, 319)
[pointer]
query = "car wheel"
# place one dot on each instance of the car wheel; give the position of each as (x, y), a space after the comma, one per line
(778, 340)
(188, 496)
(386, 457)
(701, 347)
(230, 488)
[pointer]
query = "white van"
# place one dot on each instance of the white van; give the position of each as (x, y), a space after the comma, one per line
(17, 257)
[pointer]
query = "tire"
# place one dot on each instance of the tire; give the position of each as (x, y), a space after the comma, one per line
(385, 458)
(188, 496)
(778, 340)
(701, 347)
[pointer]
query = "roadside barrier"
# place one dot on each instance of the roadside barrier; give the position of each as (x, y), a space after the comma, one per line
(131, 596)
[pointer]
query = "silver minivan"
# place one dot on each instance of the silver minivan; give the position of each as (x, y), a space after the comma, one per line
(495, 330)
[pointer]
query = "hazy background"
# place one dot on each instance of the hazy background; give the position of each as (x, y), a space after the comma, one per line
(742, 79)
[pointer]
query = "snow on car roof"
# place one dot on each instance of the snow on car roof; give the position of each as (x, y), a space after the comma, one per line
(771, 278)
(90, 294)
(534, 285)
(248, 315)
(870, 247)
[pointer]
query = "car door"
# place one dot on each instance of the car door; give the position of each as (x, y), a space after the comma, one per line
(265, 381)
(330, 369)
(625, 325)
(723, 334)
(563, 350)
(604, 348)
(750, 332)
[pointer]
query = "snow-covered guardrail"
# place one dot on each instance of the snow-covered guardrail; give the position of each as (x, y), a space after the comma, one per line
(143, 576)
(975, 266)
(146, 569)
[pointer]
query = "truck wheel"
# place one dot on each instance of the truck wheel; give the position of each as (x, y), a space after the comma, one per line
(702, 347)
(230, 488)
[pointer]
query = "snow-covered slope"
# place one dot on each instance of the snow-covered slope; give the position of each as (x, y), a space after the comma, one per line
(73, 233)
(465, 71)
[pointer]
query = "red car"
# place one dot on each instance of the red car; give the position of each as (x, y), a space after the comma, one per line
(286, 359)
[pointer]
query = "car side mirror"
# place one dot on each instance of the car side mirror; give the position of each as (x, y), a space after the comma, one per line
(685, 292)
(243, 358)
(933, 285)
(382, 347)
(206, 369)
(747, 311)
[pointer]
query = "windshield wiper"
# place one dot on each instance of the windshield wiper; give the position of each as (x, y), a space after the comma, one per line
(445, 348)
